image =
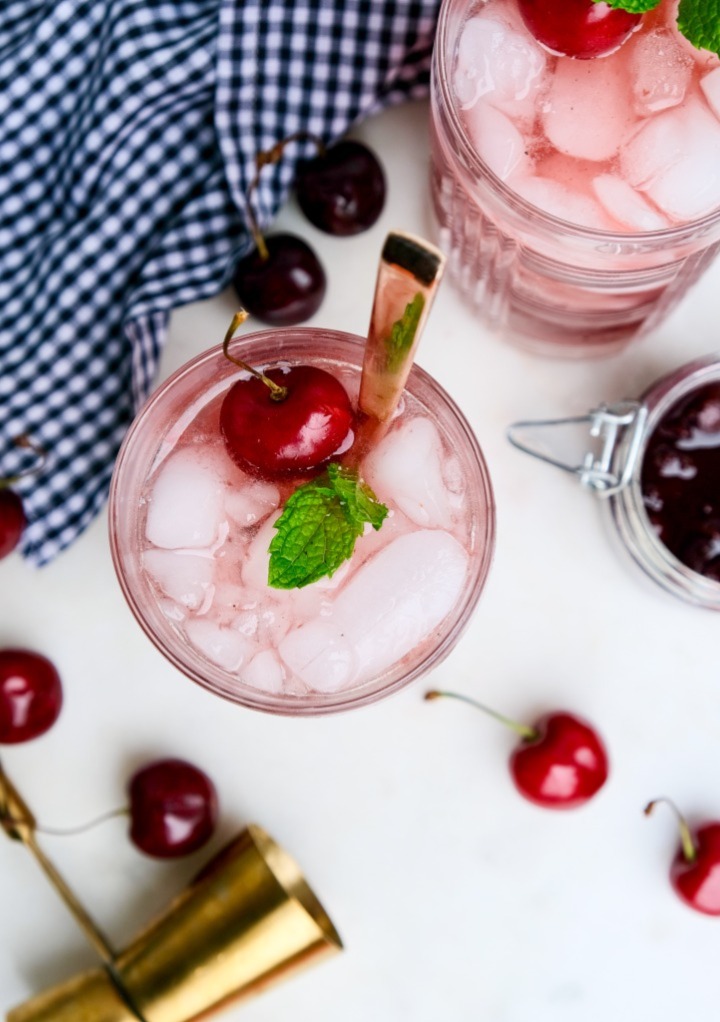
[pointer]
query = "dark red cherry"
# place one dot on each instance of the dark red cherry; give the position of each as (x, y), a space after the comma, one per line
(342, 191)
(173, 808)
(30, 695)
(563, 765)
(12, 521)
(301, 431)
(560, 762)
(578, 28)
(283, 288)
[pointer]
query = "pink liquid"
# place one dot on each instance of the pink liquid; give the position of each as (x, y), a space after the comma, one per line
(191, 534)
(578, 198)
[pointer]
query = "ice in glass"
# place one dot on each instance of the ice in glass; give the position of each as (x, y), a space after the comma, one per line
(578, 198)
(191, 530)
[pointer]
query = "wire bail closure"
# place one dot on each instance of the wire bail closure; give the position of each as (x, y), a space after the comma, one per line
(618, 424)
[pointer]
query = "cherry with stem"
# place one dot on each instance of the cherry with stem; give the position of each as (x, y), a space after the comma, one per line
(286, 420)
(172, 809)
(695, 870)
(561, 761)
(280, 281)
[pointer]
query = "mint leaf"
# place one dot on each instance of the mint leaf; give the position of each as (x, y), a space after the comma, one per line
(632, 6)
(318, 527)
(699, 21)
(402, 332)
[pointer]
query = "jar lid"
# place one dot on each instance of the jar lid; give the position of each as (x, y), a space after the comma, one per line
(614, 438)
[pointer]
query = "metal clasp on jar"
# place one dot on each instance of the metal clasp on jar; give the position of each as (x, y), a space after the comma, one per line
(618, 428)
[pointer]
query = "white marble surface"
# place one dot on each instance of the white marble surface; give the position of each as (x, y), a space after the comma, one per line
(456, 899)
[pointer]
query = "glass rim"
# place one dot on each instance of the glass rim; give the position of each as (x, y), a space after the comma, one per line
(196, 667)
(464, 152)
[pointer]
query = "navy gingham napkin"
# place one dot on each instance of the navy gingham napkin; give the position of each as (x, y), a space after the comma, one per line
(128, 136)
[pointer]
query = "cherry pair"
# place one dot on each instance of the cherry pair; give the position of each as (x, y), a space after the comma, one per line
(561, 763)
(342, 192)
(172, 805)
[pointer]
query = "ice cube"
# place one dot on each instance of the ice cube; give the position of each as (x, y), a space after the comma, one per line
(185, 578)
(223, 646)
(586, 113)
(626, 205)
(319, 654)
(257, 558)
(675, 159)
(405, 468)
(399, 597)
(710, 84)
(185, 507)
(498, 64)
(252, 503)
(264, 672)
(660, 69)
(497, 141)
(561, 201)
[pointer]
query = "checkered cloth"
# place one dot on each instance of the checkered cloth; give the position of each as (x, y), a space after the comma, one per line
(128, 135)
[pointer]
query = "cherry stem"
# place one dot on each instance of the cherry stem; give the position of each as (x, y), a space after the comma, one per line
(268, 156)
(40, 453)
(524, 730)
(277, 392)
(688, 845)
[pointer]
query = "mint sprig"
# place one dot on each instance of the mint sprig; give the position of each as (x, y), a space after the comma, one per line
(319, 525)
(698, 20)
(402, 333)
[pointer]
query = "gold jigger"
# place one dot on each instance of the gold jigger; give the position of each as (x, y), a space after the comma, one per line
(246, 920)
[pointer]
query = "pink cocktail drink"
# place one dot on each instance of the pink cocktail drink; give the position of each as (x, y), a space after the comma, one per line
(578, 198)
(191, 532)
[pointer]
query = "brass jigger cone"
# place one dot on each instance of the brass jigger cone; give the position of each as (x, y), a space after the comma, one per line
(248, 919)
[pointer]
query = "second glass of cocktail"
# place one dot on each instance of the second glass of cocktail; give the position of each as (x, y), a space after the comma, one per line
(578, 196)
(225, 567)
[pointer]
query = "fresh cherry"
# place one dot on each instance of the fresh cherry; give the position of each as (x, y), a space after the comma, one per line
(12, 512)
(30, 695)
(298, 431)
(12, 521)
(173, 808)
(282, 282)
(578, 28)
(695, 870)
(290, 419)
(561, 762)
(342, 190)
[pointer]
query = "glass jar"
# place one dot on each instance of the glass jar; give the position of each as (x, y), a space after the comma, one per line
(621, 435)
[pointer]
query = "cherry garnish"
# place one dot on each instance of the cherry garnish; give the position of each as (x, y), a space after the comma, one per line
(561, 762)
(281, 283)
(12, 521)
(301, 431)
(289, 419)
(30, 695)
(578, 28)
(342, 190)
(173, 808)
(695, 870)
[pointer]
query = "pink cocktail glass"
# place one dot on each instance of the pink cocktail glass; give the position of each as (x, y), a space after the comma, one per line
(562, 228)
(196, 580)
